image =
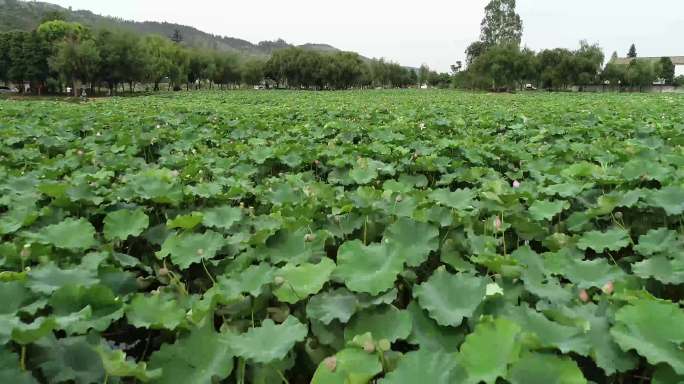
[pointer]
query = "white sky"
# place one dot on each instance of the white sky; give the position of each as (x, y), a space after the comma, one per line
(435, 32)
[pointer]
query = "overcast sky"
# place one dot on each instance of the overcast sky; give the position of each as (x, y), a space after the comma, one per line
(435, 32)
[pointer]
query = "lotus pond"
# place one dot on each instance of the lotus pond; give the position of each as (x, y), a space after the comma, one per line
(351, 237)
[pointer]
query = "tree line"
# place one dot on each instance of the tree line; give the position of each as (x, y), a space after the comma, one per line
(498, 62)
(60, 54)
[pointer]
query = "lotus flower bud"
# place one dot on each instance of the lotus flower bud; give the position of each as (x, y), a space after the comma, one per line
(516, 184)
(608, 288)
(497, 223)
(584, 296)
(26, 252)
(369, 347)
(330, 363)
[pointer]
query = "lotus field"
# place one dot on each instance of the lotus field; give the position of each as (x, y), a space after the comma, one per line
(392, 237)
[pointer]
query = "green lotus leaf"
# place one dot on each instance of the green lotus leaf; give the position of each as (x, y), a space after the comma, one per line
(653, 329)
(544, 333)
(339, 304)
(223, 217)
(364, 171)
(186, 249)
(269, 342)
(592, 273)
(566, 189)
(272, 372)
(292, 246)
(120, 225)
(537, 279)
(368, 301)
(429, 335)
(460, 199)
(487, 352)
(49, 278)
(200, 357)
(412, 241)
(661, 268)
(72, 234)
(10, 372)
(158, 185)
(671, 199)
(612, 240)
(25, 334)
(425, 366)
(157, 311)
(116, 364)
(451, 298)
(547, 210)
(385, 322)
(70, 359)
(13, 295)
(370, 269)
(253, 279)
(540, 368)
(658, 241)
(16, 218)
(603, 349)
(188, 221)
(349, 366)
(104, 307)
(299, 282)
(665, 375)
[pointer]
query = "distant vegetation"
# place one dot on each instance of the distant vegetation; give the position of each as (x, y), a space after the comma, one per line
(27, 16)
(53, 48)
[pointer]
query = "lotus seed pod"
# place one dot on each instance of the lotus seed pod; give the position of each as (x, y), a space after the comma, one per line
(399, 199)
(200, 252)
(384, 345)
(584, 296)
(279, 280)
(163, 271)
(309, 237)
(618, 215)
(330, 363)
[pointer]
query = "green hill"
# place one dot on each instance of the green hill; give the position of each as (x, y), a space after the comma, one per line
(24, 15)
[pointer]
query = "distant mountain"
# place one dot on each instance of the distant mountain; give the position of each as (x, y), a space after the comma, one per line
(27, 15)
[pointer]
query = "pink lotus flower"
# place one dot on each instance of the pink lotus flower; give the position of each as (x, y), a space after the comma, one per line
(584, 296)
(516, 184)
(497, 223)
(608, 288)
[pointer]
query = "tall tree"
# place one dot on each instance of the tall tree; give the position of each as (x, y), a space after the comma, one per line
(632, 52)
(640, 73)
(666, 70)
(423, 74)
(5, 59)
(501, 24)
(77, 61)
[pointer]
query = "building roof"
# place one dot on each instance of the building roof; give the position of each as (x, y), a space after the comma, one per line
(676, 60)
